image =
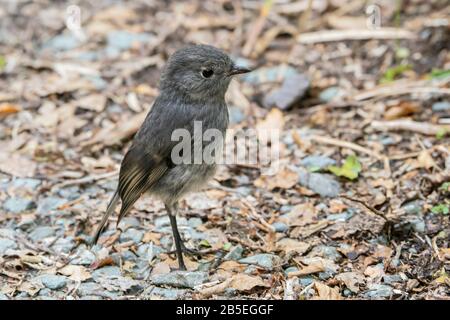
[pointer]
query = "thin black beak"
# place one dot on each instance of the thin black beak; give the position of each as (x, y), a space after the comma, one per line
(238, 70)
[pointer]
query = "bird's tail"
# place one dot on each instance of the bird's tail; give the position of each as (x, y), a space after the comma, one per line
(110, 209)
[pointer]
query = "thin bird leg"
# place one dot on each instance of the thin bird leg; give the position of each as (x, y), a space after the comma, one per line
(171, 210)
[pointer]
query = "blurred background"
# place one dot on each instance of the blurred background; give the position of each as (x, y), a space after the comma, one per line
(358, 209)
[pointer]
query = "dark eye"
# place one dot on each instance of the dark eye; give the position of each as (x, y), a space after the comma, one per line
(207, 73)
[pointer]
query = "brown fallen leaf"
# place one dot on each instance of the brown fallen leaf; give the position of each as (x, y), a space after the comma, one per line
(108, 261)
(8, 108)
(288, 245)
(325, 292)
(75, 272)
(405, 108)
(425, 160)
(352, 280)
(284, 179)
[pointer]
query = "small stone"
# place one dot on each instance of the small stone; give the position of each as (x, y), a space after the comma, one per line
(413, 207)
(291, 91)
(236, 114)
(17, 205)
(6, 244)
(280, 227)
(390, 279)
(83, 257)
(326, 252)
(3, 296)
(48, 204)
(329, 94)
(63, 42)
(147, 251)
(89, 289)
(323, 184)
(347, 293)
(317, 161)
(265, 260)
(107, 272)
(166, 293)
(53, 282)
(195, 222)
(129, 222)
(27, 183)
(235, 253)
(289, 270)
(180, 279)
(132, 235)
(41, 233)
(378, 291)
(45, 292)
(64, 245)
(305, 281)
(441, 106)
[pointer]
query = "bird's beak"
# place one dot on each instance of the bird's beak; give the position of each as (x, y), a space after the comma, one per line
(238, 70)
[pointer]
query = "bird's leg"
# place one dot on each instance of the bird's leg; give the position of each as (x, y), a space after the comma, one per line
(172, 211)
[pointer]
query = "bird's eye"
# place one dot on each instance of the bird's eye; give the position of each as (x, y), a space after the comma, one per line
(206, 73)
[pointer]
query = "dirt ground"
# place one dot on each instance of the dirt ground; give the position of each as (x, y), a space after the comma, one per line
(358, 208)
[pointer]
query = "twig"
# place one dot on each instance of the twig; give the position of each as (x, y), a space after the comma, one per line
(349, 145)
(375, 211)
(354, 34)
(398, 90)
(409, 125)
(85, 180)
(257, 28)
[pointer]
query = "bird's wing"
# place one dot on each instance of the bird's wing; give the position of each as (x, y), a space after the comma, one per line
(138, 172)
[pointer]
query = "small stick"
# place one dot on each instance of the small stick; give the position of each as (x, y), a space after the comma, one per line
(346, 144)
(375, 211)
(85, 180)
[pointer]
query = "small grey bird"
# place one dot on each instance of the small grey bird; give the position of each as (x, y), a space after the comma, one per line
(192, 88)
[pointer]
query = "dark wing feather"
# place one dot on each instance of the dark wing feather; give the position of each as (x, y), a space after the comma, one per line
(138, 172)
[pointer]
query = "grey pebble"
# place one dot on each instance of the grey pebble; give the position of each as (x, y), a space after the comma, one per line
(378, 291)
(180, 279)
(265, 260)
(131, 235)
(280, 226)
(83, 257)
(6, 244)
(329, 94)
(41, 232)
(108, 272)
(49, 203)
(166, 293)
(17, 204)
(441, 106)
(323, 184)
(318, 161)
(235, 253)
(52, 281)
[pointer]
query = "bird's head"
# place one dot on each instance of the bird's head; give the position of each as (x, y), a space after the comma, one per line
(201, 72)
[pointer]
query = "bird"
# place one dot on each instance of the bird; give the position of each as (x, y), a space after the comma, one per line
(193, 84)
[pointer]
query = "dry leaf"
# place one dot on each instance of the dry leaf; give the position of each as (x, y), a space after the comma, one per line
(8, 108)
(327, 293)
(288, 245)
(403, 109)
(352, 280)
(75, 272)
(425, 160)
(284, 179)
(243, 282)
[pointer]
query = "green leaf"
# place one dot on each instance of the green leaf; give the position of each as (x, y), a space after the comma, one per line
(204, 243)
(394, 72)
(439, 74)
(2, 62)
(350, 169)
(441, 209)
(313, 168)
(227, 246)
(441, 133)
(445, 187)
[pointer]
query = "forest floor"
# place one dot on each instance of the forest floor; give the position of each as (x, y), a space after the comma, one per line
(359, 208)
